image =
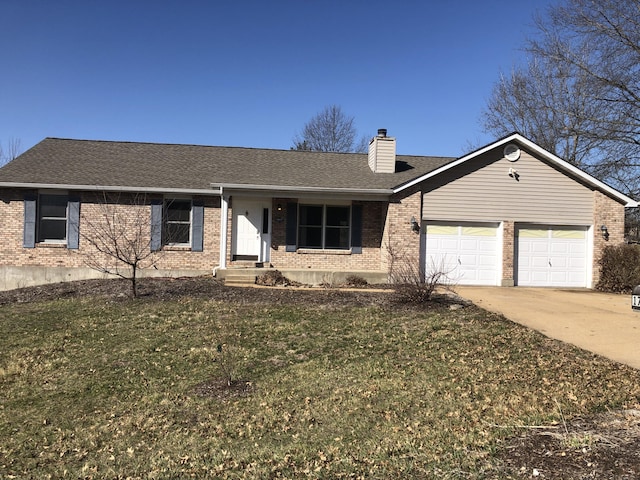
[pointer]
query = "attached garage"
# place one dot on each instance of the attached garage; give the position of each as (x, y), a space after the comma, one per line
(468, 253)
(552, 256)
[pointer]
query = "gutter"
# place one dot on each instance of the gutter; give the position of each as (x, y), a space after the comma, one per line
(288, 188)
(111, 188)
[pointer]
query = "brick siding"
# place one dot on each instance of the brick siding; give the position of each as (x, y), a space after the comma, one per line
(508, 254)
(373, 215)
(386, 233)
(610, 213)
(92, 209)
(401, 244)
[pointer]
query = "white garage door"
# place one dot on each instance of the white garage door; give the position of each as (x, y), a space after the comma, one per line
(552, 256)
(467, 253)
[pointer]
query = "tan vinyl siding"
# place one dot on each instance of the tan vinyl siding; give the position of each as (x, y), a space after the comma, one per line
(382, 155)
(485, 191)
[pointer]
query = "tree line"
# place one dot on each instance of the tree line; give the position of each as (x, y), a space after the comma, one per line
(578, 92)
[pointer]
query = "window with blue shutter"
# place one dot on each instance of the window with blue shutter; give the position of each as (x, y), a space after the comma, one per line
(197, 227)
(176, 227)
(29, 240)
(73, 223)
(156, 225)
(51, 218)
(177, 222)
(324, 227)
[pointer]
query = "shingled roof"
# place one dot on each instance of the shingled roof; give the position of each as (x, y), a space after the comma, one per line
(151, 166)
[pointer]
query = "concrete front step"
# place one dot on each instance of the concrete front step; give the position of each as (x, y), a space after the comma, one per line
(246, 264)
(239, 279)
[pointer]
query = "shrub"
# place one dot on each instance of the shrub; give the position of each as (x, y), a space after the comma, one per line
(274, 278)
(413, 286)
(356, 281)
(619, 268)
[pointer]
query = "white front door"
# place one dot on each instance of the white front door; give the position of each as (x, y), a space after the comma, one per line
(467, 253)
(551, 256)
(250, 230)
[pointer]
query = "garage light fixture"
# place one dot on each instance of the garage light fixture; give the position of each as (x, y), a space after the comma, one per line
(605, 232)
(414, 225)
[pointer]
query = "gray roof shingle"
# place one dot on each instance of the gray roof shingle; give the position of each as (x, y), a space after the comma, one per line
(67, 162)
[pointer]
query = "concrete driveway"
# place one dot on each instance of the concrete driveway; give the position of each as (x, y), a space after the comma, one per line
(602, 323)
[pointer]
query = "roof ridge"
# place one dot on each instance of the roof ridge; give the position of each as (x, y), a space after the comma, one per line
(166, 144)
(235, 147)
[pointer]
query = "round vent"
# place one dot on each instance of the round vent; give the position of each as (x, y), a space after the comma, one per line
(512, 152)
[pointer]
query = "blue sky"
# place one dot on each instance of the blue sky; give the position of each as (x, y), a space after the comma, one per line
(252, 72)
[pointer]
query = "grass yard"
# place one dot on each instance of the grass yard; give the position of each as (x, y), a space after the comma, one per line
(100, 387)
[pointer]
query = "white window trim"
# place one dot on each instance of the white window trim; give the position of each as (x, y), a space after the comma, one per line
(323, 247)
(166, 202)
(39, 218)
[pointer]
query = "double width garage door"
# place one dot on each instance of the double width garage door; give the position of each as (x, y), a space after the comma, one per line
(551, 256)
(471, 254)
(467, 253)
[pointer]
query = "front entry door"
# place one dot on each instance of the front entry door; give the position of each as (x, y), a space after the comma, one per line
(249, 227)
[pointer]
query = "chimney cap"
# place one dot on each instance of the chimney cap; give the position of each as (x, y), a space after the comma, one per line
(382, 132)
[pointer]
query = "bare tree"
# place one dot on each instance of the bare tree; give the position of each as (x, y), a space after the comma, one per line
(330, 131)
(415, 283)
(120, 232)
(12, 151)
(547, 104)
(579, 95)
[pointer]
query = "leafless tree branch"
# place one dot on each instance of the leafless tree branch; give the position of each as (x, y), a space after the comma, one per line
(120, 232)
(579, 94)
(330, 131)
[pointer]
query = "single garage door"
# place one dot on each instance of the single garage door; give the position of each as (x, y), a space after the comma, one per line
(467, 253)
(551, 256)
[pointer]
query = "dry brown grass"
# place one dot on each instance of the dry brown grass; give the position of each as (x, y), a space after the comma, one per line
(329, 384)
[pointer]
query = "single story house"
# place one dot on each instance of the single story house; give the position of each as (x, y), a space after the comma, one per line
(509, 213)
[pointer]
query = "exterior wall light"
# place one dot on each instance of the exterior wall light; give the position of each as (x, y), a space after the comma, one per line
(414, 225)
(605, 232)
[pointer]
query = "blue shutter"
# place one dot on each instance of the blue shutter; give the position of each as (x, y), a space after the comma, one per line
(29, 239)
(356, 229)
(291, 237)
(156, 225)
(197, 226)
(73, 223)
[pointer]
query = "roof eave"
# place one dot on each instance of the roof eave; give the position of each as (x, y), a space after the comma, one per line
(110, 188)
(374, 193)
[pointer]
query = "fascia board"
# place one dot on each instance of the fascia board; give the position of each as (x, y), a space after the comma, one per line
(379, 193)
(629, 202)
(110, 188)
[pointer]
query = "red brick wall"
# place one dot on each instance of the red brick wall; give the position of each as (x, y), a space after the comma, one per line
(385, 227)
(508, 253)
(92, 208)
(373, 214)
(610, 213)
(400, 242)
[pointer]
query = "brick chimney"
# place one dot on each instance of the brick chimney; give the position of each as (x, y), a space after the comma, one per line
(382, 153)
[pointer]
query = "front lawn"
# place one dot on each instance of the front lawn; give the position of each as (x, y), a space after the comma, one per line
(104, 387)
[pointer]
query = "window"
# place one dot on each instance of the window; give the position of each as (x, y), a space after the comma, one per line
(324, 226)
(176, 228)
(52, 218)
